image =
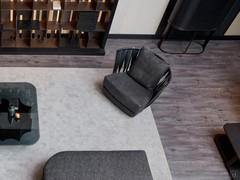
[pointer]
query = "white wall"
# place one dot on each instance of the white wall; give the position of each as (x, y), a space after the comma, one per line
(234, 29)
(138, 16)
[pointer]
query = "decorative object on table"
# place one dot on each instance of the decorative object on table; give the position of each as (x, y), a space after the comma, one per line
(138, 78)
(196, 17)
(18, 114)
(55, 27)
(228, 145)
(91, 165)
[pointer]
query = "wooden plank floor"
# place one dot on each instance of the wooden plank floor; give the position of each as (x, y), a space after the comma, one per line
(203, 95)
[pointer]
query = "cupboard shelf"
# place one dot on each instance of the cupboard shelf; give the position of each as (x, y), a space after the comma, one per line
(61, 26)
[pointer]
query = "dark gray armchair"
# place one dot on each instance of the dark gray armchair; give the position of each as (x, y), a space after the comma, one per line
(139, 76)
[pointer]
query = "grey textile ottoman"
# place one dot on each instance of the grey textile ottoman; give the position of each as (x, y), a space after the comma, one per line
(98, 165)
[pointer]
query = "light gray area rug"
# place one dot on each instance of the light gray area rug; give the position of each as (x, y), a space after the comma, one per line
(75, 116)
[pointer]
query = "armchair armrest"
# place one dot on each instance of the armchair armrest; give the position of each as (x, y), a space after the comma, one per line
(124, 59)
(160, 87)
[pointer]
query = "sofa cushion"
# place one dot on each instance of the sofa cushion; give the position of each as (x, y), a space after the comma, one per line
(98, 165)
(127, 91)
(148, 69)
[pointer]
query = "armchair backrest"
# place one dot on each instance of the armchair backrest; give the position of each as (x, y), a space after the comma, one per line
(124, 59)
(148, 69)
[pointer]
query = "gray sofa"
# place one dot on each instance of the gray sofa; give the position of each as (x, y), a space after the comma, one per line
(98, 165)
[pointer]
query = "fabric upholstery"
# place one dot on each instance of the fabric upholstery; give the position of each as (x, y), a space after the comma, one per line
(148, 69)
(98, 165)
(127, 91)
(121, 106)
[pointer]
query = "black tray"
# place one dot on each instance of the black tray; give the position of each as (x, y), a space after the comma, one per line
(23, 130)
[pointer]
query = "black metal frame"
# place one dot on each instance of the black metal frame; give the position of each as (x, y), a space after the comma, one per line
(193, 36)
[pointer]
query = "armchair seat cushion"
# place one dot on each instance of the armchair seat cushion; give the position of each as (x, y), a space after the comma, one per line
(127, 91)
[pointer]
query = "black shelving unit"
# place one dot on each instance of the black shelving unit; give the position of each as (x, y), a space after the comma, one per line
(55, 26)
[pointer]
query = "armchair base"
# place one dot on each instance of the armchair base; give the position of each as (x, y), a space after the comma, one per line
(118, 104)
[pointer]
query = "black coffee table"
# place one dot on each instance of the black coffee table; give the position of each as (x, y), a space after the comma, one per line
(18, 114)
(228, 145)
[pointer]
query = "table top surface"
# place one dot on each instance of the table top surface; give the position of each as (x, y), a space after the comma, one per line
(233, 133)
(74, 115)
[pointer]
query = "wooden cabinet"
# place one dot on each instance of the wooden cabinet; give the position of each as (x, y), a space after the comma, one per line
(55, 26)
